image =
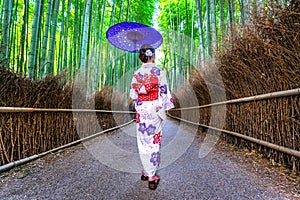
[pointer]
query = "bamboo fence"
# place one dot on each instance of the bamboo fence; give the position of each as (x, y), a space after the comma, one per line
(36, 156)
(267, 123)
(28, 131)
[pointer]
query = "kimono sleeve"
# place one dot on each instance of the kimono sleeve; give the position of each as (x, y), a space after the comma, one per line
(133, 93)
(165, 95)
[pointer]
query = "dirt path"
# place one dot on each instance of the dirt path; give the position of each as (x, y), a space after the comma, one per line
(77, 173)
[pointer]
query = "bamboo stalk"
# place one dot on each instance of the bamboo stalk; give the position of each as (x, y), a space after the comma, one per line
(3, 147)
(18, 137)
(11, 139)
(261, 121)
(23, 138)
(34, 127)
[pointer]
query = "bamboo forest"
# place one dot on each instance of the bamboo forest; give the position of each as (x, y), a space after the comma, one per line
(229, 108)
(42, 38)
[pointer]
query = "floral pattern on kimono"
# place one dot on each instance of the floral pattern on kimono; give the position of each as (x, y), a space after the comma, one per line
(150, 90)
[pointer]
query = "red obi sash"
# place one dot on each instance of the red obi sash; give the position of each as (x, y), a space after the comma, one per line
(150, 96)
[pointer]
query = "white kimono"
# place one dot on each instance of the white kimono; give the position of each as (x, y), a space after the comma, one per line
(150, 90)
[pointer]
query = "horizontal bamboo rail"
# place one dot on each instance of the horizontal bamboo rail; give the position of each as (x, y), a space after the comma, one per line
(245, 137)
(20, 109)
(247, 99)
(34, 157)
(279, 94)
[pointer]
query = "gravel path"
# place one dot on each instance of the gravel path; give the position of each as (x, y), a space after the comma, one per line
(77, 173)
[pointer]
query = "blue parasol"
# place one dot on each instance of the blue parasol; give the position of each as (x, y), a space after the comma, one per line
(130, 36)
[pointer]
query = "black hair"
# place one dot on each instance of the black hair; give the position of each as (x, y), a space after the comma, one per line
(143, 57)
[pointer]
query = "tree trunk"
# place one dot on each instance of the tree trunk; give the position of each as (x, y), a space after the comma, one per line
(61, 39)
(192, 55)
(65, 62)
(231, 19)
(200, 29)
(45, 39)
(121, 11)
(85, 38)
(50, 66)
(7, 9)
(100, 67)
(73, 61)
(222, 21)
(34, 39)
(214, 36)
(208, 28)
(14, 38)
(24, 39)
(128, 10)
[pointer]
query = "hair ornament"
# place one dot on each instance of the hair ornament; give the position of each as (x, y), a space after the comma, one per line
(149, 53)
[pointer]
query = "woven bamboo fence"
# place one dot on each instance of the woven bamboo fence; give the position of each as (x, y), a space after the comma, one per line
(259, 123)
(265, 60)
(272, 120)
(35, 116)
(26, 132)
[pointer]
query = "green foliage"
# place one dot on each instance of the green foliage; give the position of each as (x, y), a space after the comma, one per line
(177, 15)
(141, 11)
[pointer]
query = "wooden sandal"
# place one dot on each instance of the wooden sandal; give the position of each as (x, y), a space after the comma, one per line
(144, 178)
(153, 184)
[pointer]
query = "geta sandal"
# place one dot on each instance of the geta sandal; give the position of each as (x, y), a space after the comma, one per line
(153, 184)
(144, 178)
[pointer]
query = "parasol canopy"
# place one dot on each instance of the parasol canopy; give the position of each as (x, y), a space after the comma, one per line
(130, 36)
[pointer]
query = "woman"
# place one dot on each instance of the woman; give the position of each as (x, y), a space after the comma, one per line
(149, 90)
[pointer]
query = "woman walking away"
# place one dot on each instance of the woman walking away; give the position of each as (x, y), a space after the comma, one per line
(150, 91)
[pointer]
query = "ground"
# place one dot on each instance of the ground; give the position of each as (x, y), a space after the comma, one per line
(225, 173)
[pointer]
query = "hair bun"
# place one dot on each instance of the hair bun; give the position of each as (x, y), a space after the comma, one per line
(146, 52)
